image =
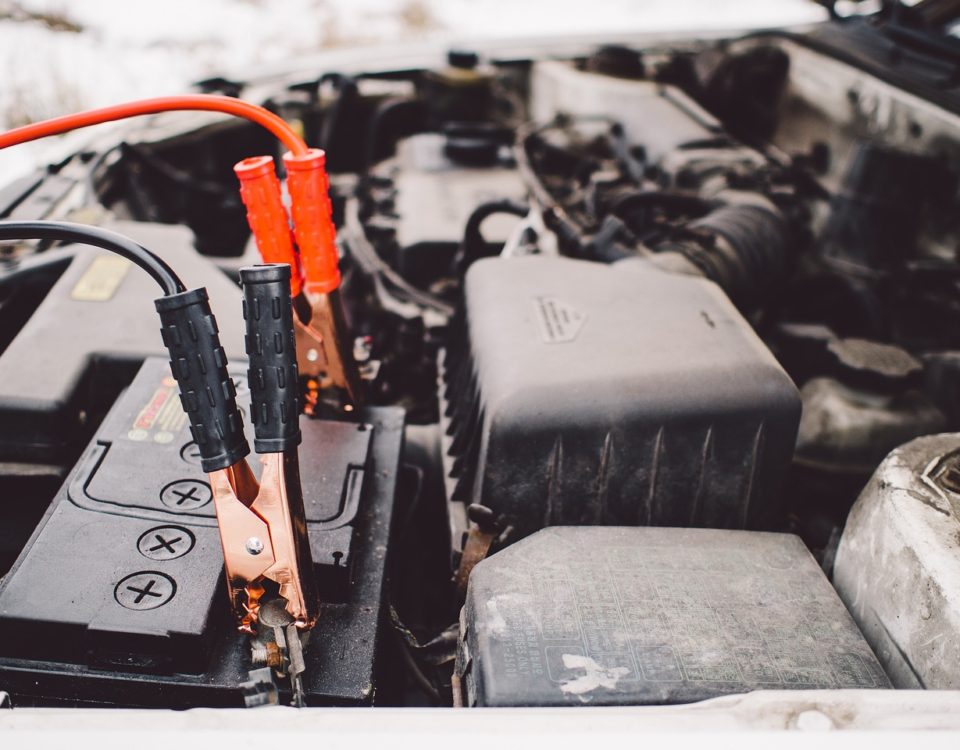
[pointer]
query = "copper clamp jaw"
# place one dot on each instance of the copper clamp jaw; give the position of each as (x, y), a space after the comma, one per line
(263, 531)
(323, 351)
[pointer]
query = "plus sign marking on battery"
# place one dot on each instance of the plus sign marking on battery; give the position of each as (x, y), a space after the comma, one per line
(185, 495)
(146, 590)
(165, 543)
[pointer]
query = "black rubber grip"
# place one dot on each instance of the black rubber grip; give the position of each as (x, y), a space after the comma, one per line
(272, 351)
(199, 364)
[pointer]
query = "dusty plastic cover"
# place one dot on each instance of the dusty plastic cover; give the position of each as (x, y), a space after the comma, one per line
(616, 615)
(581, 393)
(898, 565)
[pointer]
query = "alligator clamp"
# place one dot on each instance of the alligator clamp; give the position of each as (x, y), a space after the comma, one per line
(263, 527)
(262, 524)
(324, 352)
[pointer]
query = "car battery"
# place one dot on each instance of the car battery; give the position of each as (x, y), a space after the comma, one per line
(119, 596)
(641, 616)
(87, 338)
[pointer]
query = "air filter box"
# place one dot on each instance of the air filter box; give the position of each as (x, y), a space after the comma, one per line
(638, 616)
(582, 393)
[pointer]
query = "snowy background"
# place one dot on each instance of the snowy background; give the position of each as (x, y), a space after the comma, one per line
(58, 56)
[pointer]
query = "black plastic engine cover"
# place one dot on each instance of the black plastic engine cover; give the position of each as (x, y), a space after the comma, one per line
(88, 337)
(119, 595)
(429, 198)
(627, 616)
(580, 393)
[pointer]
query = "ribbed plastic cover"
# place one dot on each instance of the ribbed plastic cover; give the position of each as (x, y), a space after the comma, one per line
(583, 393)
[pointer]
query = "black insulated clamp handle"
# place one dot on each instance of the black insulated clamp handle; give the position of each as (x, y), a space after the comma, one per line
(271, 349)
(199, 365)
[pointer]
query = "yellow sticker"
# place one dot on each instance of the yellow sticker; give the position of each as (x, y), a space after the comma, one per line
(101, 279)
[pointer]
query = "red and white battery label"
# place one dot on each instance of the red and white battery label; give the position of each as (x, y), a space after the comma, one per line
(161, 418)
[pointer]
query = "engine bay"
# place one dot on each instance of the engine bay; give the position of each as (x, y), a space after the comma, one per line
(634, 385)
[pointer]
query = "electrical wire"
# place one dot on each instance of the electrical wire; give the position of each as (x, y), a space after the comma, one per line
(63, 231)
(200, 102)
(473, 245)
(366, 256)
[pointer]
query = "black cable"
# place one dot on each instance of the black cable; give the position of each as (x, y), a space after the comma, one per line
(363, 251)
(473, 246)
(62, 231)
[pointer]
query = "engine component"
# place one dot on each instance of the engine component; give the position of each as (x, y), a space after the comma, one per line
(876, 215)
(871, 406)
(650, 616)
(423, 199)
(745, 90)
(594, 394)
(709, 206)
(462, 90)
(657, 117)
(94, 319)
(118, 596)
(888, 249)
(850, 430)
(897, 567)
(744, 248)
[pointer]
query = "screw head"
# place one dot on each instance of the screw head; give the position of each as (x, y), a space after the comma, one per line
(254, 546)
(312, 355)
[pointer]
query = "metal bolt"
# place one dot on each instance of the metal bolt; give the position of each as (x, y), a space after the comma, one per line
(254, 546)
(312, 355)
(266, 654)
(362, 348)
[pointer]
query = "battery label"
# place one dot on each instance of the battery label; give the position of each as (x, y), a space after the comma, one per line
(161, 418)
(101, 279)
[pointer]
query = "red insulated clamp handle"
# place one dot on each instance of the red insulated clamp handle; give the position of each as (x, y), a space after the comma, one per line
(260, 191)
(312, 219)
